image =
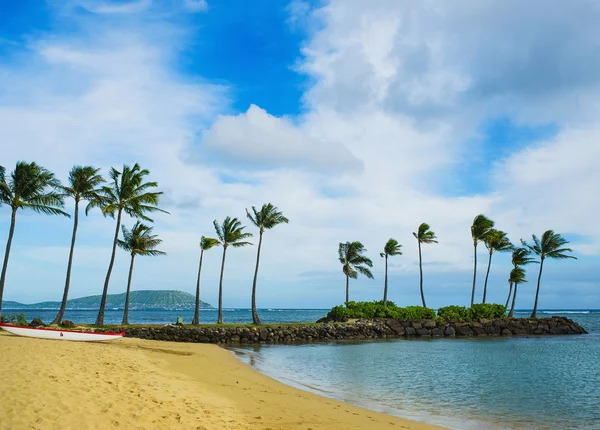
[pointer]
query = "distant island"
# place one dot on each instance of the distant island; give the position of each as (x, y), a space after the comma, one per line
(144, 299)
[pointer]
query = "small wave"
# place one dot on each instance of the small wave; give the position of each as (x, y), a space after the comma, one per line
(565, 312)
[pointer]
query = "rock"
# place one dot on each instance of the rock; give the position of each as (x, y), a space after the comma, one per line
(396, 326)
(423, 332)
(464, 331)
(429, 324)
(36, 322)
(506, 332)
(417, 326)
(449, 331)
(437, 332)
(409, 331)
(67, 324)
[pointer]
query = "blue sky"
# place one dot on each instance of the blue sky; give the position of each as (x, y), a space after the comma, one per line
(360, 120)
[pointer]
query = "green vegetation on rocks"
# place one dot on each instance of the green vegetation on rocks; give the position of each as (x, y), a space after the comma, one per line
(376, 309)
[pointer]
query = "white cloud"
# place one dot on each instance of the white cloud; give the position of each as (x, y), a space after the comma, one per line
(110, 7)
(258, 139)
(196, 5)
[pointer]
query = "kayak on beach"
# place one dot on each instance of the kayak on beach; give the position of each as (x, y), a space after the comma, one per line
(48, 333)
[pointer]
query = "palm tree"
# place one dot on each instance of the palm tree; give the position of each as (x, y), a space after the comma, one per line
(265, 219)
(550, 246)
(481, 225)
(517, 276)
(205, 244)
(230, 233)
(137, 241)
(353, 262)
(520, 257)
(29, 186)
(83, 183)
(127, 192)
(423, 235)
(495, 241)
(391, 248)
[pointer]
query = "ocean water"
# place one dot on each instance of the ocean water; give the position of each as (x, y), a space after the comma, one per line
(493, 383)
(155, 316)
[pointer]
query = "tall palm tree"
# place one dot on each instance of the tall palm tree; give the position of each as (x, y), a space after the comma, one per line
(391, 248)
(83, 185)
(495, 241)
(480, 227)
(517, 276)
(29, 186)
(205, 244)
(423, 235)
(353, 262)
(137, 241)
(550, 246)
(127, 192)
(268, 217)
(520, 257)
(230, 233)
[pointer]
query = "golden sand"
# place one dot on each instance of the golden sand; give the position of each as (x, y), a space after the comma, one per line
(137, 384)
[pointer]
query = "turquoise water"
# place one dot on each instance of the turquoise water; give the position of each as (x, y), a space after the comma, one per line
(496, 383)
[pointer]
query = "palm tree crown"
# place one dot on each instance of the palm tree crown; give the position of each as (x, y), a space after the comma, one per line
(353, 262)
(517, 275)
(31, 186)
(425, 235)
(207, 243)
(521, 257)
(497, 241)
(231, 233)
(267, 217)
(129, 193)
(392, 247)
(140, 240)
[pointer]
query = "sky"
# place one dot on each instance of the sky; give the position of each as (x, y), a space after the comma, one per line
(359, 120)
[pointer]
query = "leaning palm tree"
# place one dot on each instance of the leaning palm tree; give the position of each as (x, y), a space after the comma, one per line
(127, 192)
(520, 257)
(517, 276)
(205, 244)
(550, 246)
(423, 235)
(230, 233)
(83, 185)
(495, 241)
(265, 219)
(480, 227)
(391, 248)
(29, 186)
(137, 241)
(353, 262)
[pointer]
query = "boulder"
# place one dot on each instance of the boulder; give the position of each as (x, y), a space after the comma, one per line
(36, 322)
(429, 324)
(67, 324)
(506, 332)
(450, 331)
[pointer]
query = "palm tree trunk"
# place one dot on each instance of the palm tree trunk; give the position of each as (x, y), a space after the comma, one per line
(126, 312)
(11, 232)
(421, 275)
(509, 293)
(487, 274)
(63, 305)
(255, 318)
(474, 271)
(385, 282)
(100, 318)
(196, 319)
(220, 317)
(347, 289)
(537, 291)
(512, 307)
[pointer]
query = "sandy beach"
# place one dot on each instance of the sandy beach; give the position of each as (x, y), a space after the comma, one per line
(137, 384)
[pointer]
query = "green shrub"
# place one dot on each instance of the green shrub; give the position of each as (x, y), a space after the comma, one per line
(487, 311)
(18, 319)
(454, 312)
(377, 310)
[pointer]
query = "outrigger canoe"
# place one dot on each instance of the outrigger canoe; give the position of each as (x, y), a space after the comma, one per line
(50, 333)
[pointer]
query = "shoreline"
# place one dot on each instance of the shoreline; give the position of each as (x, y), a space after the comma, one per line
(155, 384)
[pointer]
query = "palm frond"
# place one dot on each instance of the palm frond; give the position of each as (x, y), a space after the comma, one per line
(208, 242)
(392, 247)
(480, 227)
(425, 235)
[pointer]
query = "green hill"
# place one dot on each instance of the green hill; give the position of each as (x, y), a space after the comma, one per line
(144, 299)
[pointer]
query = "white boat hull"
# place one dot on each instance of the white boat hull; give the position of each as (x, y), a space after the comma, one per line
(45, 333)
